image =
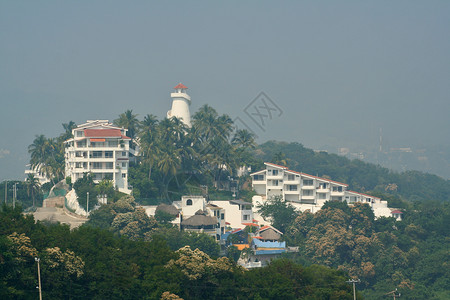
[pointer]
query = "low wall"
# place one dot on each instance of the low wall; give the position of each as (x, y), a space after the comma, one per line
(54, 202)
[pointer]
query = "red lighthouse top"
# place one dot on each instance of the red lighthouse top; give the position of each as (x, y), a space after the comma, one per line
(180, 86)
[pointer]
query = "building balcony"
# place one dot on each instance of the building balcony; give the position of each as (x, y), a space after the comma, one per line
(322, 190)
(294, 181)
(337, 193)
(259, 182)
(309, 197)
(291, 192)
(308, 187)
(276, 177)
(275, 187)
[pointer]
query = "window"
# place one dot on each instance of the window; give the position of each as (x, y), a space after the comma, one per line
(188, 202)
(323, 186)
(124, 154)
(308, 182)
(113, 143)
(307, 193)
(337, 188)
(96, 154)
(322, 195)
(96, 165)
(291, 177)
(292, 187)
(246, 217)
(222, 216)
(124, 165)
(109, 165)
(274, 172)
(124, 175)
(258, 177)
(108, 154)
(80, 133)
(108, 176)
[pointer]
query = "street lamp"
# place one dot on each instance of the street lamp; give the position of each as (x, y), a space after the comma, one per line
(37, 259)
(354, 289)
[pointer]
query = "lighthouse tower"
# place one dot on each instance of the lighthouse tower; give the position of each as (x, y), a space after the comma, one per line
(180, 105)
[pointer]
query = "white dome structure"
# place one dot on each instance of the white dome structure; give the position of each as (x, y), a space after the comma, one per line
(180, 105)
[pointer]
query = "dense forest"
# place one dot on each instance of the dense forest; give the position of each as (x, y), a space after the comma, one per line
(94, 263)
(122, 253)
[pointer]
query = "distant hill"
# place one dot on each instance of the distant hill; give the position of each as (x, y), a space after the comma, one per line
(361, 176)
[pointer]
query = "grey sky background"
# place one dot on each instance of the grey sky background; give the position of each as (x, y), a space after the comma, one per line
(339, 70)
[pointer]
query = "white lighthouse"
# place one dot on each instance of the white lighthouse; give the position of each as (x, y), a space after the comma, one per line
(180, 105)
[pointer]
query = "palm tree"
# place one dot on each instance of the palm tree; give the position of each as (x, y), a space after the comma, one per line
(168, 164)
(68, 130)
(204, 123)
(244, 139)
(149, 141)
(33, 187)
(41, 150)
(129, 121)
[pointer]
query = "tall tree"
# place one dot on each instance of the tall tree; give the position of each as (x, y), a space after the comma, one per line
(149, 141)
(33, 187)
(129, 121)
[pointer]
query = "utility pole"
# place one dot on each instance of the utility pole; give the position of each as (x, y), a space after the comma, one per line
(37, 259)
(354, 281)
(6, 190)
(87, 205)
(15, 195)
(394, 294)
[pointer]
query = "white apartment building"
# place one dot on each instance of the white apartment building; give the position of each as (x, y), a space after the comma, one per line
(99, 148)
(308, 192)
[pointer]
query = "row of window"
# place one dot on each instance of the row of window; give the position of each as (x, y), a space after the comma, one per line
(98, 165)
(100, 154)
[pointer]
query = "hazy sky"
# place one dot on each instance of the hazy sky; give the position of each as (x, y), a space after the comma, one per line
(338, 70)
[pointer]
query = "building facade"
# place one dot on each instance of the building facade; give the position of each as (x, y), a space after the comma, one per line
(101, 149)
(308, 192)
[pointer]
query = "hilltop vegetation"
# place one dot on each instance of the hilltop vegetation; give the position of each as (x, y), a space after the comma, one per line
(91, 263)
(411, 255)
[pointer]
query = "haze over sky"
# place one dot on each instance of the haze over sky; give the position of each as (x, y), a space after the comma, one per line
(338, 70)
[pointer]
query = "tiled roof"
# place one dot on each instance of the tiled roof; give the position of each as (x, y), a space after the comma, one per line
(396, 212)
(102, 133)
(180, 86)
(250, 224)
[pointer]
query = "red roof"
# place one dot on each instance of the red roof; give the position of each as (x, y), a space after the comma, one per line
(250, 224)
(180, 86)
(227, 223)
(396, 212)
(102, 133)
(96, 133)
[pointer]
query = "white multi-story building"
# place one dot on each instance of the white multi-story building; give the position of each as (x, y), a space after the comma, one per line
(308, 192)
(99, 148)
(37, 172)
